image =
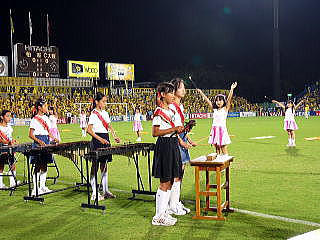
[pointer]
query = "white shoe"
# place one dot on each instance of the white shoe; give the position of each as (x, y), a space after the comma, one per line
(44, 189)
(177, 211)
(162, 220)
(14, 185)
(138, 139)
(289, 145)
(33, 193)
(167, 215)
(293, 145)
(100, 197)
(180, 205)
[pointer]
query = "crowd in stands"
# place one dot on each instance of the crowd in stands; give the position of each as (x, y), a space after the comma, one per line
(68, 99)
(313, 97)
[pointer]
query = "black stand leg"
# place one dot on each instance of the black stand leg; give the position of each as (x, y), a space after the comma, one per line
(96, 204)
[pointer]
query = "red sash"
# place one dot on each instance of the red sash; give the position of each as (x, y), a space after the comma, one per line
(164, 116)
(180, 112)
(4, 136)
(104, 122)
(42, 122)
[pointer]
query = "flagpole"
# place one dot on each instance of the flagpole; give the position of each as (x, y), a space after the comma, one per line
(48, 40)
(11, 37)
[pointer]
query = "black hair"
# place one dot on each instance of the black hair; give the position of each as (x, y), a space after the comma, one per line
(164, 87)
(219, 97)
(176, 82)
(3, 113)
(98, 97)
(290, 101)
(39, 103)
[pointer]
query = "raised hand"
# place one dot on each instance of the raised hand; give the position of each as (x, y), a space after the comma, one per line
(234, 85)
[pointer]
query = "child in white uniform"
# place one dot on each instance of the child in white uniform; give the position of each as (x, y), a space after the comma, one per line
(99, 127)
(5, 158)
(83, 123)
(167, 159)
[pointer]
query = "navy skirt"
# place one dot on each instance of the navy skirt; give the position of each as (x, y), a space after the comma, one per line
(95, 144)
(167, 159)
(43, 157)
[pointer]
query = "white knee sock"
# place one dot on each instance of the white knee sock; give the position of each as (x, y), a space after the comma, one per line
(169, 196)
(290, 140)
(175, 195)
(105, 186)
(1, 179)
(43, 178)
(12, 181)
(162, 199)
(93, 185)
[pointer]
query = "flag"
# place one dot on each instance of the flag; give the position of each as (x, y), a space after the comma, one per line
(48, 25)
(11, 23)
(48, 31)
(30, 24)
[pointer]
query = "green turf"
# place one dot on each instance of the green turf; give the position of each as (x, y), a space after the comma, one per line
(266, 177)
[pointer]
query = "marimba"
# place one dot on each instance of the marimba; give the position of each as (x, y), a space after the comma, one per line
(202, 164)
(71, 150)
(129, 150)
(11, 150)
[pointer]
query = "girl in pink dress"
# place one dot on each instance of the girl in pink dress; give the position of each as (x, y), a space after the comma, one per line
(290, 124)
(53, 117)
(219, 136)
(137, 126)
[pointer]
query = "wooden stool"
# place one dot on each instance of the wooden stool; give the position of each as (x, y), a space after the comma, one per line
(201, 164)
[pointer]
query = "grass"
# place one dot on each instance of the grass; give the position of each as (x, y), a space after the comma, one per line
(266, 177)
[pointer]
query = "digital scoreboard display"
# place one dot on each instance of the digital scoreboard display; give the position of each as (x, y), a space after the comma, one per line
(36, 61)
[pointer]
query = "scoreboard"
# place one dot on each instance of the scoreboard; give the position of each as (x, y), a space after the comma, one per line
(36, 61)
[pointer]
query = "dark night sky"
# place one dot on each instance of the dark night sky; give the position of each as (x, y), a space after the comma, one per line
(226, 36)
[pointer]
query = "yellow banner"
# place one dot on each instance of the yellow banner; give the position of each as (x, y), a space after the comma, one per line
(119, 71)
(79, 69)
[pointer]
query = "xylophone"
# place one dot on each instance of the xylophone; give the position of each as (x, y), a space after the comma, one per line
(22, 148)
(71, 150)
(129, 150)
(12, 149)
(125, 150)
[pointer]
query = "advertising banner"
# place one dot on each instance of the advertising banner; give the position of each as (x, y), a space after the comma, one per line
(80, 69)
(119, 72)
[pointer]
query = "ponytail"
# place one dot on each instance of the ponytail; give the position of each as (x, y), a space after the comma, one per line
(98, 98)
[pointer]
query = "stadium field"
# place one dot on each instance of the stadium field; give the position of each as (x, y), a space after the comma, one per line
(266, 177)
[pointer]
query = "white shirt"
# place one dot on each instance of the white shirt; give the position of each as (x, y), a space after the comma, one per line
(7, 131)
(53, 121)
(97, 126)
(289, 115)
(137, 117)
(38, 128)
(158, 121)
(177, 115)
(220, 117)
